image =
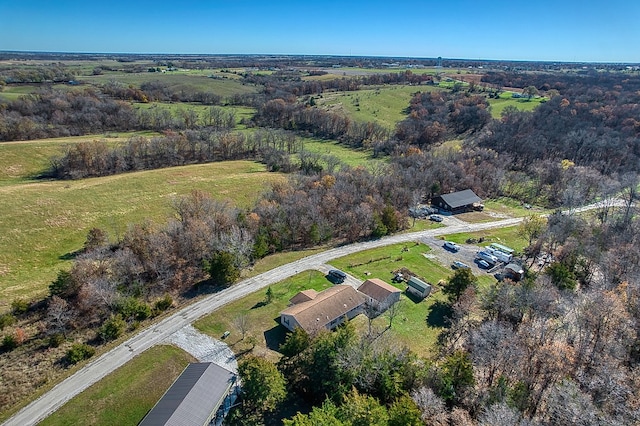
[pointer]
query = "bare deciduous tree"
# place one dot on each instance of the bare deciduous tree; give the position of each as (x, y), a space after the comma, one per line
(241, 322)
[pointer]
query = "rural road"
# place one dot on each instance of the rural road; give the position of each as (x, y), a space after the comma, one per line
(161, 331)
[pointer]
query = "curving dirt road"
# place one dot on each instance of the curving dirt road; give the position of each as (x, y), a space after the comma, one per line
(157, 333)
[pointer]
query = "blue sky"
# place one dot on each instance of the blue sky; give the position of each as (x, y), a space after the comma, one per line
(560, 30)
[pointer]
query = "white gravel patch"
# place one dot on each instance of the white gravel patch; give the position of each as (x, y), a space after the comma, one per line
(204, 348)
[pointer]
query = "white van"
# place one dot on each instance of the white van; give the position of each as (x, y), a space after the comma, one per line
(500, 255)
(487, 257)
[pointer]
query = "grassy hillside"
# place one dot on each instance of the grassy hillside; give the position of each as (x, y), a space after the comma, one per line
(43, 223)
(351, 157)
(384, 105)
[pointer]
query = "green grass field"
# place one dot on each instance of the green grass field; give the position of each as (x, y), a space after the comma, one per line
(126, 395)
(364, 71)
(349, 156)
(43, 222)
(505, 100)
(384, 105)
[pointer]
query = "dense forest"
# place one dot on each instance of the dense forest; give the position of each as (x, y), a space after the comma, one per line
(560, 347)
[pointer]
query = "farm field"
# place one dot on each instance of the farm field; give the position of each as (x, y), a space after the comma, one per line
(126, 395)
(44, 223)
(341, 71)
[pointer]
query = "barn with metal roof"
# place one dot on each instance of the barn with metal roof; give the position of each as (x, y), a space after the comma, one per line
(457, 202)
(200, 395)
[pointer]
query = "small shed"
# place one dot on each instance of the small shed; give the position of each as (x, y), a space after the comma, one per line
(514, 271)
(457, 202)
(418, 288)
(379, 294)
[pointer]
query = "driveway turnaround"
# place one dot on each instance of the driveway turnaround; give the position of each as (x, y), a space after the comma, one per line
(204, 348)
(161, 331)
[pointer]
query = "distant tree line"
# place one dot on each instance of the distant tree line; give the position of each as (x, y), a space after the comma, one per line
(53, 73)
(579, 130)
(55, 113)
(98, 158)
(279, 113)
(292, 82)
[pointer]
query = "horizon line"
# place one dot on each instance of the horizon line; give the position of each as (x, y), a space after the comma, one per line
(326, 55)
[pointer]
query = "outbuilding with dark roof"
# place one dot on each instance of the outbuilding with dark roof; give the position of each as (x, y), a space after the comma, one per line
(200, 395)
(457, 202)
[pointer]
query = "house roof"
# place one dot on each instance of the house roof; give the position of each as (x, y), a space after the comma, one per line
(417, 283)
(461, 198)
(193, 398)
(377, 289)
(304, 296)
(327, 306)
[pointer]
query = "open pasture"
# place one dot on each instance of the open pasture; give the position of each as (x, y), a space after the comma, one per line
(385, 105)
(348, 156)
(44, 223)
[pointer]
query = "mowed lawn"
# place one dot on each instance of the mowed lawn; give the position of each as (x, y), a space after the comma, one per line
(418, 323)
(43, 223)
(510, 236)
(416, 326)
(263, 319)
(126, 395)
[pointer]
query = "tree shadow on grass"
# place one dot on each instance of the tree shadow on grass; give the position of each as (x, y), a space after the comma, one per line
(438, 314)
(275, 336)
(71, 255)
(260, 304)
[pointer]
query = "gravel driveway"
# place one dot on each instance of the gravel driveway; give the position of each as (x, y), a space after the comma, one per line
(204, 348)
